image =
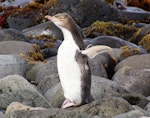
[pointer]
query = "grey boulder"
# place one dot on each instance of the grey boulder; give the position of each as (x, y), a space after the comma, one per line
(12, 64)
(134, 80)
(17, 88)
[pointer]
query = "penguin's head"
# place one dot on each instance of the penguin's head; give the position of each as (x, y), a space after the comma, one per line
(61, 20)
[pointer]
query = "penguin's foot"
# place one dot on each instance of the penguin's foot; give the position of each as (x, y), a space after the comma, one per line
(67, 103)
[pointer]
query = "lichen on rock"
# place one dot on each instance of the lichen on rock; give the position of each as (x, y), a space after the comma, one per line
(108, 28)
(145, 42)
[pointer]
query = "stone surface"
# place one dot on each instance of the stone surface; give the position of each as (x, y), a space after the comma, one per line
(102, 65)
(12, 35)
(16, 35)
(136, 61)
(136, 99)
(106, 107)
(16, 88)
(15, 106)
(96, 11)
(130, 114)
(133, 80)
(48, 113)
(44, 28)
(2, 115)
(148, 108)
(17, 22)
(4, 36)
(45, 75)
(10, 64)
(139, 109)
(47, 82)
(115, 42)
(39, 70)
(15, 47)
(55, 95)
(100, 87)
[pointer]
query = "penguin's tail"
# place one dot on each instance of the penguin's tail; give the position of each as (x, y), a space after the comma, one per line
(91, 52)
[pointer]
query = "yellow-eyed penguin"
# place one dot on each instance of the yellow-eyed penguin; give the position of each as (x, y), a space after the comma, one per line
(72, 62)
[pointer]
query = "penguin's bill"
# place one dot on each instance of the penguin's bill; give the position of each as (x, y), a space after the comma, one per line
(54, 19)
(49, 17)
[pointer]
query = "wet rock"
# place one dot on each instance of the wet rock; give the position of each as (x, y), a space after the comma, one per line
(136, 99)
(100, 87)
(133, 83)
(47, 68)
(136, 61)
(10, 64)
(31, 73)
(44, 28)
(144, 5)
(15, 34)
(17, 22)
(4, 36)
(16, 88)
(39, 70)
(148, 108)
(2, 115)
(102, 65)
(47, 82)
(101, 28)
(77, 9)
(130, 114)
(139, 109)
(12, 35)
(111, 41)
(15, 2)
(55, 95)
(142, 32)
(97, 68)
(15, 106)
(87, 42)
(133, 15)
(52, 51)
(119, 54)
(49, 52)
(48, 113)
(44, 75)
(115, 42)
(145, 42)
(15, 47)
(106, 107)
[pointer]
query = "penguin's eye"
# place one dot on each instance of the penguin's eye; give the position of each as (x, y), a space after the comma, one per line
(59, 17)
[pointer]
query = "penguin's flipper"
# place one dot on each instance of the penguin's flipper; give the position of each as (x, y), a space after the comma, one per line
(94, 50)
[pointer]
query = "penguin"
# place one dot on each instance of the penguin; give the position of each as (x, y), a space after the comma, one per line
(72, 62)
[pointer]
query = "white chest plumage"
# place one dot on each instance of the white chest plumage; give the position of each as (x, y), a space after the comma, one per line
(68, 69)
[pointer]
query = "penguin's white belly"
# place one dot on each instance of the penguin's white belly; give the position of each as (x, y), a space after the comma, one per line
(69, 71)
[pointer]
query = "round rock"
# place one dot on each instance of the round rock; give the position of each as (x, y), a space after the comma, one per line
(134, 81)
(15, 47)
(16, 88)
(100, 87)
(10, 64)
(106, 107)
(136, 61)
(48, 113)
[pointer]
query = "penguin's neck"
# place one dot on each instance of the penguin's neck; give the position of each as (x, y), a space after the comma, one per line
(73, 36)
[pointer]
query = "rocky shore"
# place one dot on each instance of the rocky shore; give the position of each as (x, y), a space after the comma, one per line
(29, 81)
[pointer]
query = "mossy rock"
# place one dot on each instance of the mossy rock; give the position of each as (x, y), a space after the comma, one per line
(145, 42)
(108, 28)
